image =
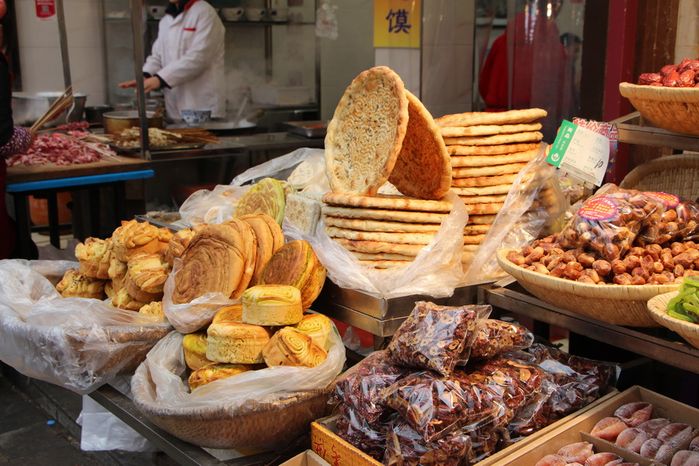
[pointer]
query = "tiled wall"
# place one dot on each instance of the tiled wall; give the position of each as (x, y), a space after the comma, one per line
(40, 54)
(687, 43)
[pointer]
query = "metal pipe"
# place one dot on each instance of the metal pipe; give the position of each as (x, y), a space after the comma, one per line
(138, 59)
(63, 40)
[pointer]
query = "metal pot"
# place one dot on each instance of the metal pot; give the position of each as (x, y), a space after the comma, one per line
(116, 122)
(28, 107)
(93, 114)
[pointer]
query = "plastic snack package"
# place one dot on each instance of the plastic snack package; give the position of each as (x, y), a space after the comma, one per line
(370, 438)
(680, 219)
(436, 337)
(496, 336)
(405, 446)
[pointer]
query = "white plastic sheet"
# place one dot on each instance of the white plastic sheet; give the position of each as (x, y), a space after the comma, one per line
(158, 382)
(435, 272)
(76, 343)
(103, 431)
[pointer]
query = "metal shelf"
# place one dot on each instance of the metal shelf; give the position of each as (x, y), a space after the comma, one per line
(659, 344)
(633, 130)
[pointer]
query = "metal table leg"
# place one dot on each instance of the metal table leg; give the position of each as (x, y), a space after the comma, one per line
(54, 233)
(24, 236)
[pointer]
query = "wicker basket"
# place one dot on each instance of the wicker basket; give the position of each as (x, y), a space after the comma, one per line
(256, 426)
(670, 108)
(676, 174)
(614, 304)
(658, 311)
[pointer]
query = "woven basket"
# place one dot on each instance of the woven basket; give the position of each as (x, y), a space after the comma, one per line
(614, 304)
(670, 108)
(676, 174)
(256, 426)
(658, 311)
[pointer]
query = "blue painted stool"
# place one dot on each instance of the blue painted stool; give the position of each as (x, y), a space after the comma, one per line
(49, 188)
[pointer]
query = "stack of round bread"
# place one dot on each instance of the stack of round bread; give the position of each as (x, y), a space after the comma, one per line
(487, 152)
(268, 329)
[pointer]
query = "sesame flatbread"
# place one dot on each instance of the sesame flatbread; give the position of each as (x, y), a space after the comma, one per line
(496, 170)
(468, 200)
(492, 118)
(480, 209)
(481, 219)
(386, 202)
(375, 225)
(384, 264)
(366, 132)
(403, 238)
(383, 214)
(423, 168)
(461, 161)
(373, 247)
(483, 181)
(381, 256)
(483, 191)
(488, 130)
(529, 136)
(476, 229)
(474, 239)
(491, 150)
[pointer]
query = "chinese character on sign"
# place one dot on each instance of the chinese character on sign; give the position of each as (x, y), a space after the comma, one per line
(398, 21)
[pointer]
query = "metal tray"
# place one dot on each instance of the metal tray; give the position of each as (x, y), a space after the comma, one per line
(309, 129)
(159, 222)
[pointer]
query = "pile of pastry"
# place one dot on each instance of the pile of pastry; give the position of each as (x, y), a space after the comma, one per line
(129, 268)
(487, 151)
(268, 329)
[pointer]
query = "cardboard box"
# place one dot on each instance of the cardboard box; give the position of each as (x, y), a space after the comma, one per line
(307, 458)
(339, 452)
(577, 429)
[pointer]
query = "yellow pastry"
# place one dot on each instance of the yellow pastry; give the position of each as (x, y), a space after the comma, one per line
(117, 272)
(268, 196)
(146, 277)
(318, 327)
(248, 247)
(154, 309)
(109, 290)
(194, 348)
(236, 342)
(290, 347)
(76, 285)
(214, 372)
(133, 237)
(177, 244)
(272, 305)
(94, 256)
(297, 265)
(266, 233)
(123, 300)
(232, 313)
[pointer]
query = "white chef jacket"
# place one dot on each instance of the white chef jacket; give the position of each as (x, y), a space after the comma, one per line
(188, 56)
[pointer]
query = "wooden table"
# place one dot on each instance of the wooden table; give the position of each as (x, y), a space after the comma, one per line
(119, 163)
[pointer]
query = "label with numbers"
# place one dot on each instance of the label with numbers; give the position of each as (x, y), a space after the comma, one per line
(581, 152)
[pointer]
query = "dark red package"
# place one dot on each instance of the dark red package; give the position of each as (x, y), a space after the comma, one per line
(496, 336)
(404, 446)
(436, 337)
(371, 439)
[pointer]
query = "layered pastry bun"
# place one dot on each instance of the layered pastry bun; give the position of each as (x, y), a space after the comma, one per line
(237, 343)
(153, 309)
(133, 237)
(318, 327)
(232, 313)
(194, 349)
(272, 305)
(212, 372)
(76, 285)
(94, 256)
(290, 347)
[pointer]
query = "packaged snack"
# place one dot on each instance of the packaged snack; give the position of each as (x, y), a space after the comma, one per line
(678, 221)
(370, 438)
(496, 336)
(436, 337)
(406, 447)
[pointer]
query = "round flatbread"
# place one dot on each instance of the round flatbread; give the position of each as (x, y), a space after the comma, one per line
(386, 202)
(375, 225)
(496, 170)
(502, 149)
(461, 161)
(476, 229)
(481, 219)
(423, 168)
(529, 136)
(474, 239)
(480, 209)
(487, 130)
(384, 264)
(492, 118)
(468, 200)
(483, 191)
(366, 132)
(374, 247)
(380, 214)
(381, 256)
(404, 238)
(483, 181)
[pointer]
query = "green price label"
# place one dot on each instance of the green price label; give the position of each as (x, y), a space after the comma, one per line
(560, 145)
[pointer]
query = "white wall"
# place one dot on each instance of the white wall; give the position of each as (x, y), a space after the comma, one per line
(687, 42)
(40, 55)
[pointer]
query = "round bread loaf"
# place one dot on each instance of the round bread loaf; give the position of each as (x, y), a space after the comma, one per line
(236, 342)
(194, 348)
(214, 372)
(272, 305)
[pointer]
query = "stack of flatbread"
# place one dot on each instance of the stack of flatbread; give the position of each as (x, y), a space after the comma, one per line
(487, 151)
(384, 231)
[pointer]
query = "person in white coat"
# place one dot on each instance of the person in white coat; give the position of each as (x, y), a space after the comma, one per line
(186, 60)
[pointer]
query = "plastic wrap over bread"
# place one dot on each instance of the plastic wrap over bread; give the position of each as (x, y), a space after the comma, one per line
(76, 343)
(435, 272)
(215, 206)
(534, 203)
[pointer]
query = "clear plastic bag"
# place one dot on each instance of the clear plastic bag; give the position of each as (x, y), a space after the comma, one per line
(406, 447)
(436, 337)
(195, 315)
(679, 221)
(496, 336)
(158, 384)
(215, 206)
(310, 164)
(533, 204)
(103, 431)
(435, 272)
(76, 343)
(368, 437)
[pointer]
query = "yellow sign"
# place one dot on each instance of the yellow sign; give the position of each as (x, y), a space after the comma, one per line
(397, 23)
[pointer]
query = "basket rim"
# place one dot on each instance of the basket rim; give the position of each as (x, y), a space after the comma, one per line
(587, 290)
(657, 311)
(658, 93)
(657, 165)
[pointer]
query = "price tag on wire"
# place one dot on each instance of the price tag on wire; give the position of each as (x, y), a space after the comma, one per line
(582, 153)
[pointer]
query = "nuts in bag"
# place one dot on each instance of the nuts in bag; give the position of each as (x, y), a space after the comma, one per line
(436, 337)
(679, 221)
(608, 222)
(496, 336)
